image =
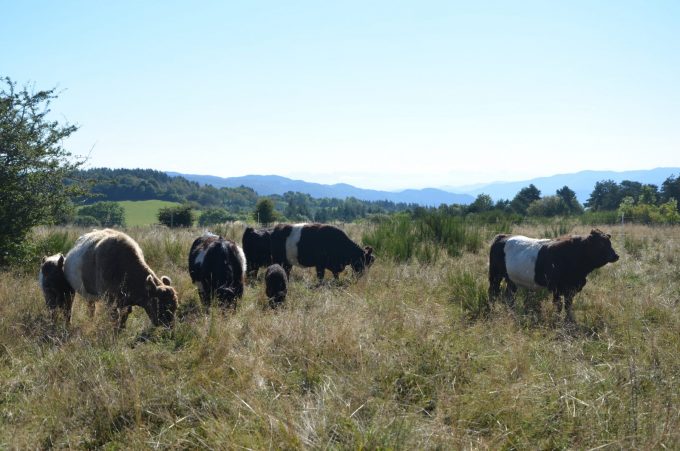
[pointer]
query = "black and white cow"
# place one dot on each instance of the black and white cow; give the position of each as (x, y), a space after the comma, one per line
(56, 289)
(319, 245)
(276, 285)
(217, 267)
(257, 248)
(560, 265)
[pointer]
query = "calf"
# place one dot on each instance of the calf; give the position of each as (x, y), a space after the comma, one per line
(560, 265)
(107, 263)
(217, 267)
(56, 289)
(276, 283)
(257, 248)
(319, 245)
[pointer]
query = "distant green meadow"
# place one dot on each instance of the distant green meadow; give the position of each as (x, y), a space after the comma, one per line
(144, 212)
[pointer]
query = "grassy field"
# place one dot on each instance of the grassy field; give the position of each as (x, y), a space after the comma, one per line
(143, 212)
(399, 359)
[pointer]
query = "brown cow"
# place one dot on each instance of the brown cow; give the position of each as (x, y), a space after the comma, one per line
(107, 263)
(560, 265)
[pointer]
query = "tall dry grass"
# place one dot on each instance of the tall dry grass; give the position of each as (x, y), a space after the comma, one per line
(403, 358)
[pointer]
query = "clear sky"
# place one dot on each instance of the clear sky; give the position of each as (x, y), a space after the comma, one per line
(379, 94)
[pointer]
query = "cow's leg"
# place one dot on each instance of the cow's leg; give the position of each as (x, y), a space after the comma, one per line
(251, 274)
(557, 301)
(123, 313)
(568, 299)
(320, 270)
(510, 290)
(287, 267)
(68, 306)
(494, 285)
(90, 307)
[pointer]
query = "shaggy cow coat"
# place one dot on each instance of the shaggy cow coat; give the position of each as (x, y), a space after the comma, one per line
(217, 267)
(56, 289)
(109, 264)
(276, 285)
(257, 248)
(560, 265)
(318, 245)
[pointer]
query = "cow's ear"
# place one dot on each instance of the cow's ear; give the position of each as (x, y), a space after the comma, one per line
(609, 235)
(150, 283)
(60, 263)
(166, 280)
(43, 260)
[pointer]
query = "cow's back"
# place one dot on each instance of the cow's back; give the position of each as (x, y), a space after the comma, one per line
(104, 260)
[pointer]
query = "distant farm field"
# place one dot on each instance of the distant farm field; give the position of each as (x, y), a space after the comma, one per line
(399, 359)
(143, 212)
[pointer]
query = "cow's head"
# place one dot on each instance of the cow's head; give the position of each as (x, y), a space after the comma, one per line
(225, 295)
(162, 300)
(364, 261)
(599, 248)
(53, 281)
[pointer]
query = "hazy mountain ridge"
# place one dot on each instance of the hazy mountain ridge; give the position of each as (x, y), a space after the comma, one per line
(581, 182)
(266, 185)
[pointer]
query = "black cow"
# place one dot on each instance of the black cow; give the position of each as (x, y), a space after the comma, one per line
(56, 289)
(319, 245)
(217, 267)
(276, 285)
(257, 247)
(560, 265)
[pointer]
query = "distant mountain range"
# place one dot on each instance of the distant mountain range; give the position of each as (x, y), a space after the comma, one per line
(581, 182)
(265, 185)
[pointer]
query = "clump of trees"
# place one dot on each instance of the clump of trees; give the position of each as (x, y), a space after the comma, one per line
(178, 216)
(105, 214)
(33, 166)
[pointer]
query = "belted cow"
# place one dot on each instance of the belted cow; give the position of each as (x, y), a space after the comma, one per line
(560, 265)
(319, 245)
(109, 264)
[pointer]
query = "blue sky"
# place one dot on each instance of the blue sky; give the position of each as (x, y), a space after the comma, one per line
(380, 94)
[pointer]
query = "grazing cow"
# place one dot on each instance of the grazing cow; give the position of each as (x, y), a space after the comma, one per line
(257, 247)
(107, 263)
(560, 265)
(217, 267)
(56, 289)
(276, 283)
(319, 245)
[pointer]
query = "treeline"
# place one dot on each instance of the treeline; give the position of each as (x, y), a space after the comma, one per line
(608, 201)
(233, 203)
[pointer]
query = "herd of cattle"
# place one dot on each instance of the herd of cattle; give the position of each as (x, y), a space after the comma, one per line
(108, 264)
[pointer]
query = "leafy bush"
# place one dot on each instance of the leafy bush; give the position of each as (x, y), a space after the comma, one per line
(180, 216)
(106, 214)
(423, 236)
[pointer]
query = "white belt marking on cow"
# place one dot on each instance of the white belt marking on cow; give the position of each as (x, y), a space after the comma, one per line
(292, 244)
(520, 260)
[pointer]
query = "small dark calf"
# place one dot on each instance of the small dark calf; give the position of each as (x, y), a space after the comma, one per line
(276, 283)
(56, 289)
